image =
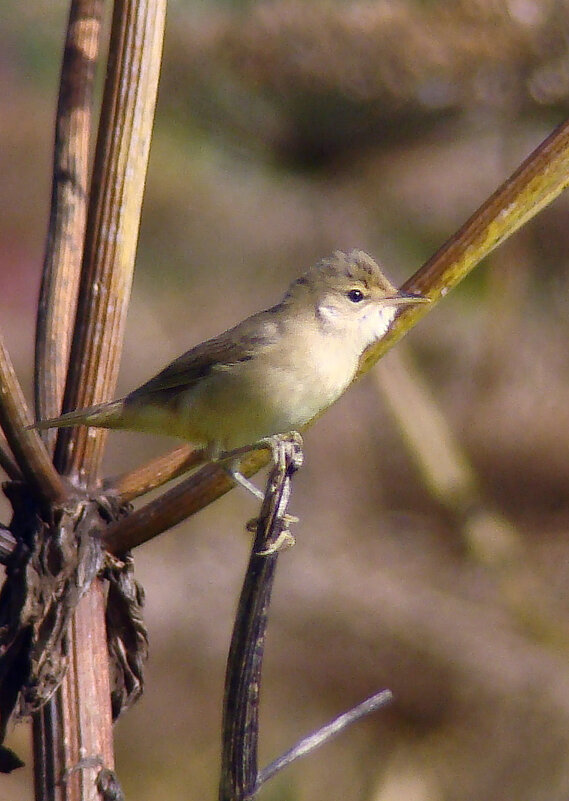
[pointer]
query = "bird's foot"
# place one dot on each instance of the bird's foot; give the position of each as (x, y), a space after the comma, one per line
(283, 542)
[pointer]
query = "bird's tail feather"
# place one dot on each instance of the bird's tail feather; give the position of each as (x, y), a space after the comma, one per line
(104, 415)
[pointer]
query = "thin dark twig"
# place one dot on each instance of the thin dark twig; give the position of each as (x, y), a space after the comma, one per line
(324, 734)
(244, 665)
(240, 777)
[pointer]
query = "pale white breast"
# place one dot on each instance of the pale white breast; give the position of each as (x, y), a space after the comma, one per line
(375, 323)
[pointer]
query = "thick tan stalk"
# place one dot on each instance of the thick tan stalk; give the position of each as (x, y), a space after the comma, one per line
(68, 212)
(119, 175)
(73, 732)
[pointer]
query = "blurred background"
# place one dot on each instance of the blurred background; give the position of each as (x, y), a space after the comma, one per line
(432, 549)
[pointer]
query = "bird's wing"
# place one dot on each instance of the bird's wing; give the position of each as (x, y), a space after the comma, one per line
(235, 345)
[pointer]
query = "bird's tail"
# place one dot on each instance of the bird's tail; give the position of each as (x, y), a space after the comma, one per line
(105, 415)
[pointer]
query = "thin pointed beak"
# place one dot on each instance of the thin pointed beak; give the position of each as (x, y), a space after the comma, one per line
(408, 298)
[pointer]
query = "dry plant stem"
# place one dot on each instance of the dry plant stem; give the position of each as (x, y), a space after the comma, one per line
(324, 734)
(240, 777)
(241, 708)
(119, 174)
(538, 181)
(68, 212)
(76, 709)
(30, 455)
(535, 184)
(239, 773)
(176, 504)
(155, 473)
(76, 723)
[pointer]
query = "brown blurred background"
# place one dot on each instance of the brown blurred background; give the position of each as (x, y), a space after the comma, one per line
(430, 559)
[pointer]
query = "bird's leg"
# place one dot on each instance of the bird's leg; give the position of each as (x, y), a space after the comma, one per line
(230, 460)
(233, 470)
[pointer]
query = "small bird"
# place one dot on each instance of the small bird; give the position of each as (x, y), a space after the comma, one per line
(271, 373)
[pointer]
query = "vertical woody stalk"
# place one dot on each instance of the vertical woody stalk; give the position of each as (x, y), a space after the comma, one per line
(119, 174)
(68, 211)
(72, 733)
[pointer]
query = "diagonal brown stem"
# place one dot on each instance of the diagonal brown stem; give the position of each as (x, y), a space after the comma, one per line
(187, 497)
(28, 449)
(155, 473)
(538, 181)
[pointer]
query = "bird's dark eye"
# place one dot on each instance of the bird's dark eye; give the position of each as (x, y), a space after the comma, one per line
(355, 295)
